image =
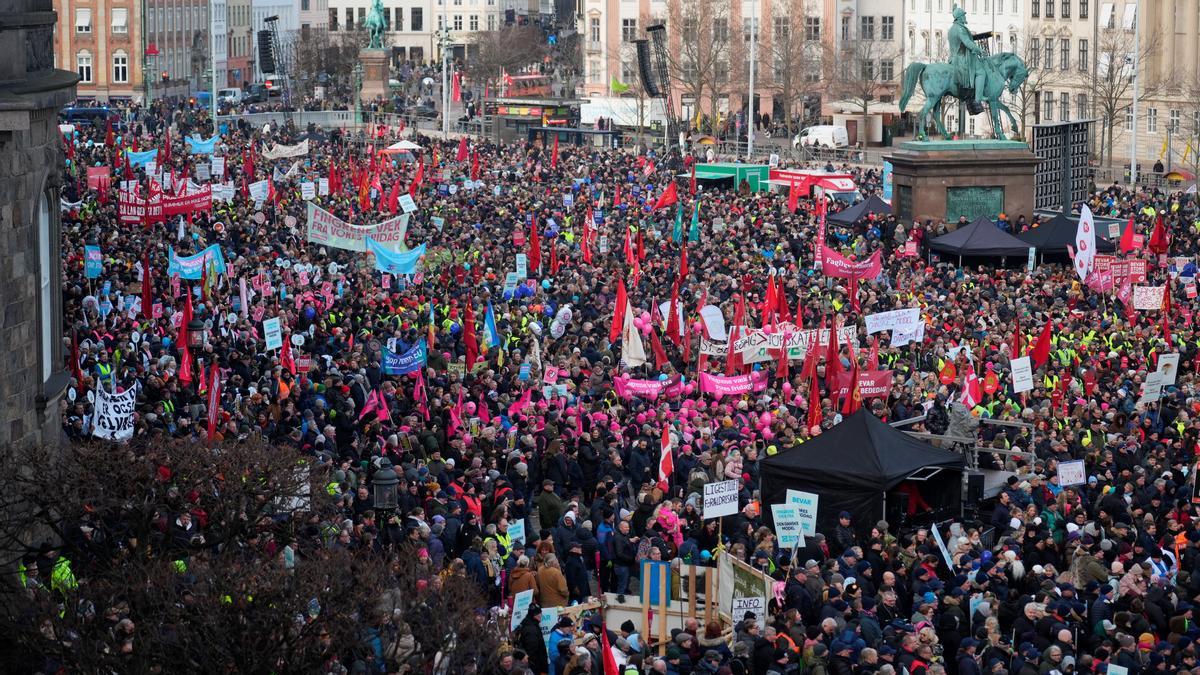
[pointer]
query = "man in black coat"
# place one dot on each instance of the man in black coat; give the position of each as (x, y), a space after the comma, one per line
(529, 639)
(575, 571)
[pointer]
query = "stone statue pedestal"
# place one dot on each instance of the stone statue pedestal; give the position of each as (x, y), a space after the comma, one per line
(942, 180)
(376, 72)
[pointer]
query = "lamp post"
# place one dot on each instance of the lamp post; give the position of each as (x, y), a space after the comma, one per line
(445, 38)
(197, 333)
(384, 484)
(357, 85)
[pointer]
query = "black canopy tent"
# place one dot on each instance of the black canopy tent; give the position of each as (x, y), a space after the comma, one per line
(853, 467)
(1056, 234)
(872, 204)
(980, 238)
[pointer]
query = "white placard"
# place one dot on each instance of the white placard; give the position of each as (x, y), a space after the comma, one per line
(308, 190)
(1071, 473)
(901, 338)
(773, 160)
(806, 504)
(522, 266)
(113, 416)
(273, 333)
(756, 605)
(323, 186)
(407, 204)
(520, 608)
(713, 347)
(720, 499)
(217, 164)
(1147, 297)
(903, 320)
(1168, 367)
(1151, 388)
(1022, 374)
(787, 525)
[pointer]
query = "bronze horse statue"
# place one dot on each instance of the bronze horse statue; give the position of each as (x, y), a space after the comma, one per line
(1004, 71)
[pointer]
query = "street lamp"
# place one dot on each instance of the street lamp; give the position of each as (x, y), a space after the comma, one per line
(196, 333)
(357, 85)
(384, 483)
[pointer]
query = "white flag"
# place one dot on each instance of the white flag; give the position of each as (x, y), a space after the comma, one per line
(1085, 243)
(632, 351)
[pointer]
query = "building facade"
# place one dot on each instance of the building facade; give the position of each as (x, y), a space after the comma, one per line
(219, 42)
(413, 25)
(287, 25)
(241, 43)
(33, 375)
(103, 42)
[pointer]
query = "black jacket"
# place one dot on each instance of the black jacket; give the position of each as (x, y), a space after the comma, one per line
(529, 639)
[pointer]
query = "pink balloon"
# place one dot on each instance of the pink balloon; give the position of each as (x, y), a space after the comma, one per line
(467, 438)
(645, 329)
(787, 387)
(470, 407)
(697, 326)
(764, 419)
(543, 404)
(768, 434)
(641, 418)
(645, 315)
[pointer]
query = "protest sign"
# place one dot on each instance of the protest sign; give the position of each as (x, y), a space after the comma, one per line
(787, 525)
(904, 320)
(280, 151)
(720, 499)
(522, 266)
(1071, 473)
(1147, 297)
(720, 385)
(308, 190)
(326, 228)
(407, 204)
(386, 260)
(93, 262)
(834, 264)
(273, 333)
(1022, 375)
(756, 606)
(806, 509)
(113, 416)
(1151, 388)
(712, 347)
(516, 534)
(406, 362)
(1168, 367)
(192, 267)
(520, 608)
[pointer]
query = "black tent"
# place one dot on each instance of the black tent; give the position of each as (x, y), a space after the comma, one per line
(980, 238)
(854, 465)
(1056, 234)
(860, 210)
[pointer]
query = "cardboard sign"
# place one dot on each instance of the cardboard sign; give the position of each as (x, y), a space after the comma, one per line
(1168, 367)
(806, 504)
(1022, 375)
(787, 525)
(756, 605)
(1071, 473)
(273, 333)
(407, 204)
(1147, 298)
(720, 499)
(520, 608)
(522, 266)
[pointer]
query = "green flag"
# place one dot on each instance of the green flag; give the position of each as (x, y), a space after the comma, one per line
(677, 232)
(617, 87)
(694, 230)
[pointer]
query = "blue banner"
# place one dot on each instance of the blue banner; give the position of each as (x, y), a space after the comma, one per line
(408, 262)
(402, 364)
(199, 146)
(887, 182)
(192, 267)
(93, 262)
(139, 159)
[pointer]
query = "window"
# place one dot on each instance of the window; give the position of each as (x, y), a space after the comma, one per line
(1049, 49)
(1195, 121)
(83, 65)
(1107, 16)
(120, 66)
(1130, 18)
(458, 22)
(1066, 9)
(1083, 8)
(491, 22)
(417, 19)
(1035, 53)
(333, 23)
(1173, 125)
(628, 30)
(1152, 120)
(48, 313)
(349, 18)
(629, 72)
(887, 28)
(867, 69)
(845, 29)
(1034, 8)
(1128, 117)
(721, 70)
(387, 18)
(1064, 54)
(812, 28)
(398, 19)
(120, 20)
(304, 5)
(83, 20)
(747, 29)
(1064, 106)
(781, 28)
(887, 70)
(1048, 106)
(720, 31)
(691, 30)
(1049, 9)
(1083, 56)
(1081, 106)
(594, 30)
(866, 28)
(594, 76)
(473, 22)
(689, 68)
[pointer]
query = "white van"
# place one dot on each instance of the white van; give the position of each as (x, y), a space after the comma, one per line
(823, 135)
(232, 96)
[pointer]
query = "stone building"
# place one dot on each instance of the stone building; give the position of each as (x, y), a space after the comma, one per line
(33, 376)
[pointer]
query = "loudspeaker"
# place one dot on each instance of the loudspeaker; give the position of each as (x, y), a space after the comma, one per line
(646, 69)
(266, 54)
(974, 488)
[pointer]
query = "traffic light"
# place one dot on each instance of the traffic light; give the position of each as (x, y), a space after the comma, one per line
(165, 77)
(266, 54)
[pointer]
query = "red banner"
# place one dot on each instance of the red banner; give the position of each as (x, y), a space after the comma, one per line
(834, 264)
(98, 177)
(871, 384)
(187, 203)
(134, 209)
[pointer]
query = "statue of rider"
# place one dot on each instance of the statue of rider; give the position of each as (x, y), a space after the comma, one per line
(966, 56)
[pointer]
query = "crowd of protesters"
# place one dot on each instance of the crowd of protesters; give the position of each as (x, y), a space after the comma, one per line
(1051, 579)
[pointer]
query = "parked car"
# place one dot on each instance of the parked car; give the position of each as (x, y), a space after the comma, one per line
(232, 95)
(93, 117)
(425, 109)
(822, 135)
(255, 93)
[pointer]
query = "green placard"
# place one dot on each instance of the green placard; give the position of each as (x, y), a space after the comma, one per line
(973, 202)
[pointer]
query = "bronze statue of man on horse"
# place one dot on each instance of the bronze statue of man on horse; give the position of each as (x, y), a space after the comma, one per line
(972, 76)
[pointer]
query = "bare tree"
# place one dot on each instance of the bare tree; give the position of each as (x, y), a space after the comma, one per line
(1112, 80)
(796, 56)
(701, 64)
(1188, 131)
(636, 90)
(1042, 76)
(859, 77)
(329, 58)
(508, 50)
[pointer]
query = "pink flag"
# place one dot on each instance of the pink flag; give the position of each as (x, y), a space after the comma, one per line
(371, 405)
(521, 403)
(484, 417)
(382, 412)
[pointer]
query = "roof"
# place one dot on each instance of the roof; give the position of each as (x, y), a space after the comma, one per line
(1056, 234)
(872, 204)
(981, 237)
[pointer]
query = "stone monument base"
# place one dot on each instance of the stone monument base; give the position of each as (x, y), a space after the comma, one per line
(376, 72)
(942, 180)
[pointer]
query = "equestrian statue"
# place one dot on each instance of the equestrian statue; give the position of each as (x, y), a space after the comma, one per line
(375, 25)
(973, 77)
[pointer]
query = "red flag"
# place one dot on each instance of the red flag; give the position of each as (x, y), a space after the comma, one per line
(793, 197)
(617, 197)
(285, 356)
(628, 248)
(109, 137)
(948, 373)
(393, 200)
(1127, 236)
(673, 319)
(1017, 340)
(873, 357)
(147, 285)
(618, 322)
(810, 355)
(666, 462)
(165, 156)
(214, 403)
(606, 656)
(1166, 316)
(535, 246)
(668, 198)
(854, 398)
(683, 263)
(586, 243)
(733, 361)
(417, 179)
(660, 354)
(462, 150)
(370, 405)
(469, 340)
(185, 361)
(554, 154)
(456, 91)
(1159, 241)
(641, 246)
(1041, 350)
(814, 392)
(475, 165)
(553, 258)
(692, 182)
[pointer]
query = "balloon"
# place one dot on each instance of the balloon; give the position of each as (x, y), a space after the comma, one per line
(469, 407)
(645, 316)
(455, 329)
(764, 418)
(787, 387)
(467, 438)
(768, 434)
(546, 284)
(645, 329)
